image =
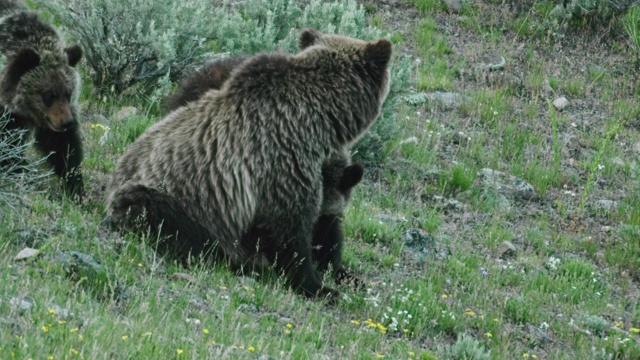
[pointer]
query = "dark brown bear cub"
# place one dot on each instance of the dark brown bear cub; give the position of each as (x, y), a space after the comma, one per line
(39, 88)
(339, 176)
(251, 154)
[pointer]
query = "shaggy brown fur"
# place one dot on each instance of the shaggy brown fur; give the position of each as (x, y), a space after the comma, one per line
(210, 76)
(339, 176)
(251, 153)
(39, 87)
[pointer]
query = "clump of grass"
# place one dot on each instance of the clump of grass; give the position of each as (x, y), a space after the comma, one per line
(468, 348)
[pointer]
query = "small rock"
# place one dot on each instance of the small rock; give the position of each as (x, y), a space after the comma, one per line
(618, 161)
(410, 140)
(560, 103)
(27, 253)
(418, 239)
(506, 250)
(507, 184)
(453, 5)
(21, 303)
(126, 112)
(546, 87)
(606, 205)
(61, 313)
(182, 276)
(605, 228)
(449, 100)
(493, 62)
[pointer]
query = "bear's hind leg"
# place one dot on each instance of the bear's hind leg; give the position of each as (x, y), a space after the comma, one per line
(140, 208)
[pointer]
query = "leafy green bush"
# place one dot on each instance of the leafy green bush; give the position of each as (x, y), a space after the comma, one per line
(135, 42)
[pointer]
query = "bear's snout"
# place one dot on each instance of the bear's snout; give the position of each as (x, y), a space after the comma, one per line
(60, 116)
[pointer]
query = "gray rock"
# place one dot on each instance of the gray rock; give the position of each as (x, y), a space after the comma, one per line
(126, 112)
(561, 103)
(606, 205)
(448, 100)
(453, 5)
(61, 313)
(492, 62)
(20, 303)
(409, 140)
(618, 161)
(506, 250)
(27, 253)
(507, 184)
(182, 276)
(419, 243)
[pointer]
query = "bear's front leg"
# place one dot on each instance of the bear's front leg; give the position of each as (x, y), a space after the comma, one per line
(65, 156)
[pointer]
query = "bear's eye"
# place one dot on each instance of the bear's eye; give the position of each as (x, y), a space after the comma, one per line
(48, 98)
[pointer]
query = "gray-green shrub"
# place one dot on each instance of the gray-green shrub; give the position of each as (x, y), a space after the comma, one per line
(18, 175)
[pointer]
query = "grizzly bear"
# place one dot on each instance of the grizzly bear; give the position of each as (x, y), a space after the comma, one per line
(251, 154)
(339, 176)
(39, 88)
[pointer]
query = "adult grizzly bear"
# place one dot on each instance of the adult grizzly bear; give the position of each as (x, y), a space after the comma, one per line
(39, 88)
(339, 176)
(251, 154)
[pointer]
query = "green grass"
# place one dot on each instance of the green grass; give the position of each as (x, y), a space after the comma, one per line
(569, 292)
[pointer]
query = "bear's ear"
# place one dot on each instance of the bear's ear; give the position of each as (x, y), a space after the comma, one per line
(350, 177)
(25, 60)
(307, 38)
(74, 54)
(379, 52)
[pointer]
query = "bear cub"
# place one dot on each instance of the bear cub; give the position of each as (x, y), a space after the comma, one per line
(39, 89)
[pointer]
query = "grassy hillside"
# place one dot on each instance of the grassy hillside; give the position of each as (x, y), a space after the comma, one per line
(491, 224)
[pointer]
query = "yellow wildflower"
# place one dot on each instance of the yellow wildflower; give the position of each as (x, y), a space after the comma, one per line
(411, 353)
(289, 326)
(49, 357)
(45, 328)
(74, 351)
(525, 355)
(288, 332)
(619, 324)
(469, 312)
(444, 296)
(139, 265)
(634, 330)
(489, 335)
(179, 351)
(251, 349)
(80, 337)
(75, 329)
(61, 322)
(52, 311)
(405, 330)
(378, 355)
(205, 331)
(125, 337)
(355, 322)
(534, 356)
